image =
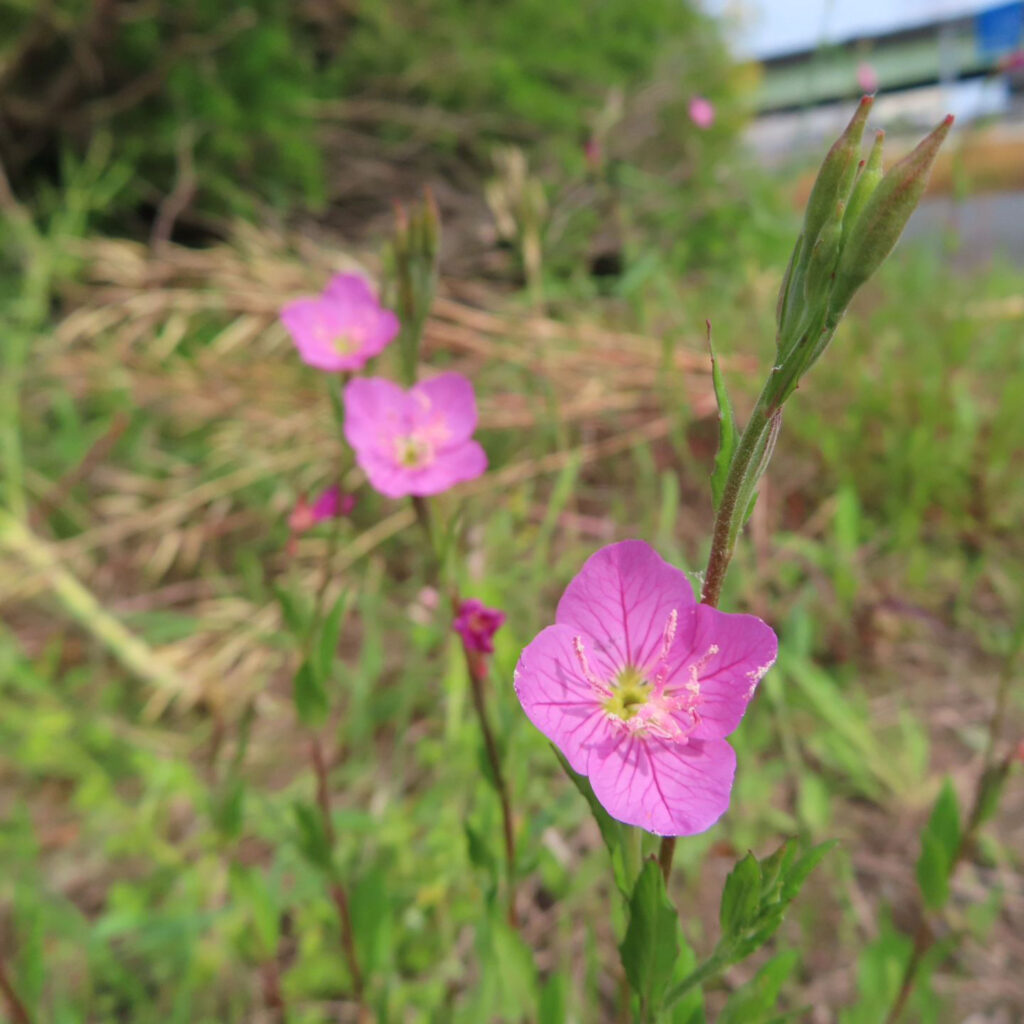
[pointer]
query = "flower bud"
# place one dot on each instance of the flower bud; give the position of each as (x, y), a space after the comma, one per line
(867, 181)
(836, 176)
(873, 235)
(821, 263)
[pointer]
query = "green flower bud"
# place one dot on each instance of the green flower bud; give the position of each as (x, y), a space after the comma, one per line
(835, 177)
(821, 263)
(867, 181)
(873, 235)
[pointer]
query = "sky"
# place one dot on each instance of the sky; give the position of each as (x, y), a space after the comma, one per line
(767, 27)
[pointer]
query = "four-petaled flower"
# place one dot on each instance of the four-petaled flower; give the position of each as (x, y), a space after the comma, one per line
(477, 624)
(342, 328)
(639, 685)
(414, 442)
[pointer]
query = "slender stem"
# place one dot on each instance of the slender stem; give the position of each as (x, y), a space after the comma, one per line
(273, 997)
(337, 891)
(15, 1007)
(318, 761)
(728, 520)
(666, 852)
(476, 665)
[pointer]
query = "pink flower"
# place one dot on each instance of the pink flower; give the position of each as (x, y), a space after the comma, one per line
(477, 624)
(342, 328)
(417, 441)
(867, 77)
(638, 685)
(702, 112)
(331, 504)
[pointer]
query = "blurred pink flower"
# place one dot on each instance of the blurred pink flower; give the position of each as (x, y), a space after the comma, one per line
(639, 685)
(331, 504)
(593, 153)
(477, 624)
(867, 77)
(702, 112)
(342, 328)
(414, 442)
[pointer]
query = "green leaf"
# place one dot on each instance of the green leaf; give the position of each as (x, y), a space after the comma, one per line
(371, 920)
(726, 429)
(480, 853)
(755, 899)
(741, 896)
(292, 612)
(940, 844)
(552, 1003)
(312, 838)
(793, 879)
(310, 696)
(650, 948)
(330, 632)
(754, 1002)
(250, 889)
(228, 808)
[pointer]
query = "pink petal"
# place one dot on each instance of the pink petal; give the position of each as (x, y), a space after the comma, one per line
(449, 395)
(557, 698)
(351, 289)
(308, 322)
(383, 331)
(451, 466)
(623, 597)
(670, 789)
(375, 410)
(728, 676)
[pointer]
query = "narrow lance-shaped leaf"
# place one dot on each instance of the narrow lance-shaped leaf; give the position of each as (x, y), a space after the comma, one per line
(310, 696)
(940, 846)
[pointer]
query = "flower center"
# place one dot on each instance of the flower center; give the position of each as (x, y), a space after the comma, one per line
(630, 692)
(413, 452)
(344, 344)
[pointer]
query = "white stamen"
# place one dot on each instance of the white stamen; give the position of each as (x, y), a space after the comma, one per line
(693, 686)
(588, 673)
(667, 637)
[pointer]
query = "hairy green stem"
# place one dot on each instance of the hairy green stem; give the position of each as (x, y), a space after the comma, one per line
(728, 522)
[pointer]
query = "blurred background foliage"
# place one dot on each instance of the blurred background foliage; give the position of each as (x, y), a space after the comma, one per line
(177, 171)
(211, 110)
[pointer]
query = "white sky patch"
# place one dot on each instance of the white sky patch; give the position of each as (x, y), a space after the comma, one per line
(763, 28)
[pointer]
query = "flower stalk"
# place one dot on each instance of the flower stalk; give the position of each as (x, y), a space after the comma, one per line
(854, 217)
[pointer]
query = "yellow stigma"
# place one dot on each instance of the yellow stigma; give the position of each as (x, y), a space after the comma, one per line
(629, 693)
(344, 344)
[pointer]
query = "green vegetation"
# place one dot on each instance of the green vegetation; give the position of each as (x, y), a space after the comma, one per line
(158, 862)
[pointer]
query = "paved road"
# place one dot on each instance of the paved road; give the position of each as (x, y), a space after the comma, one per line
(987, 224)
